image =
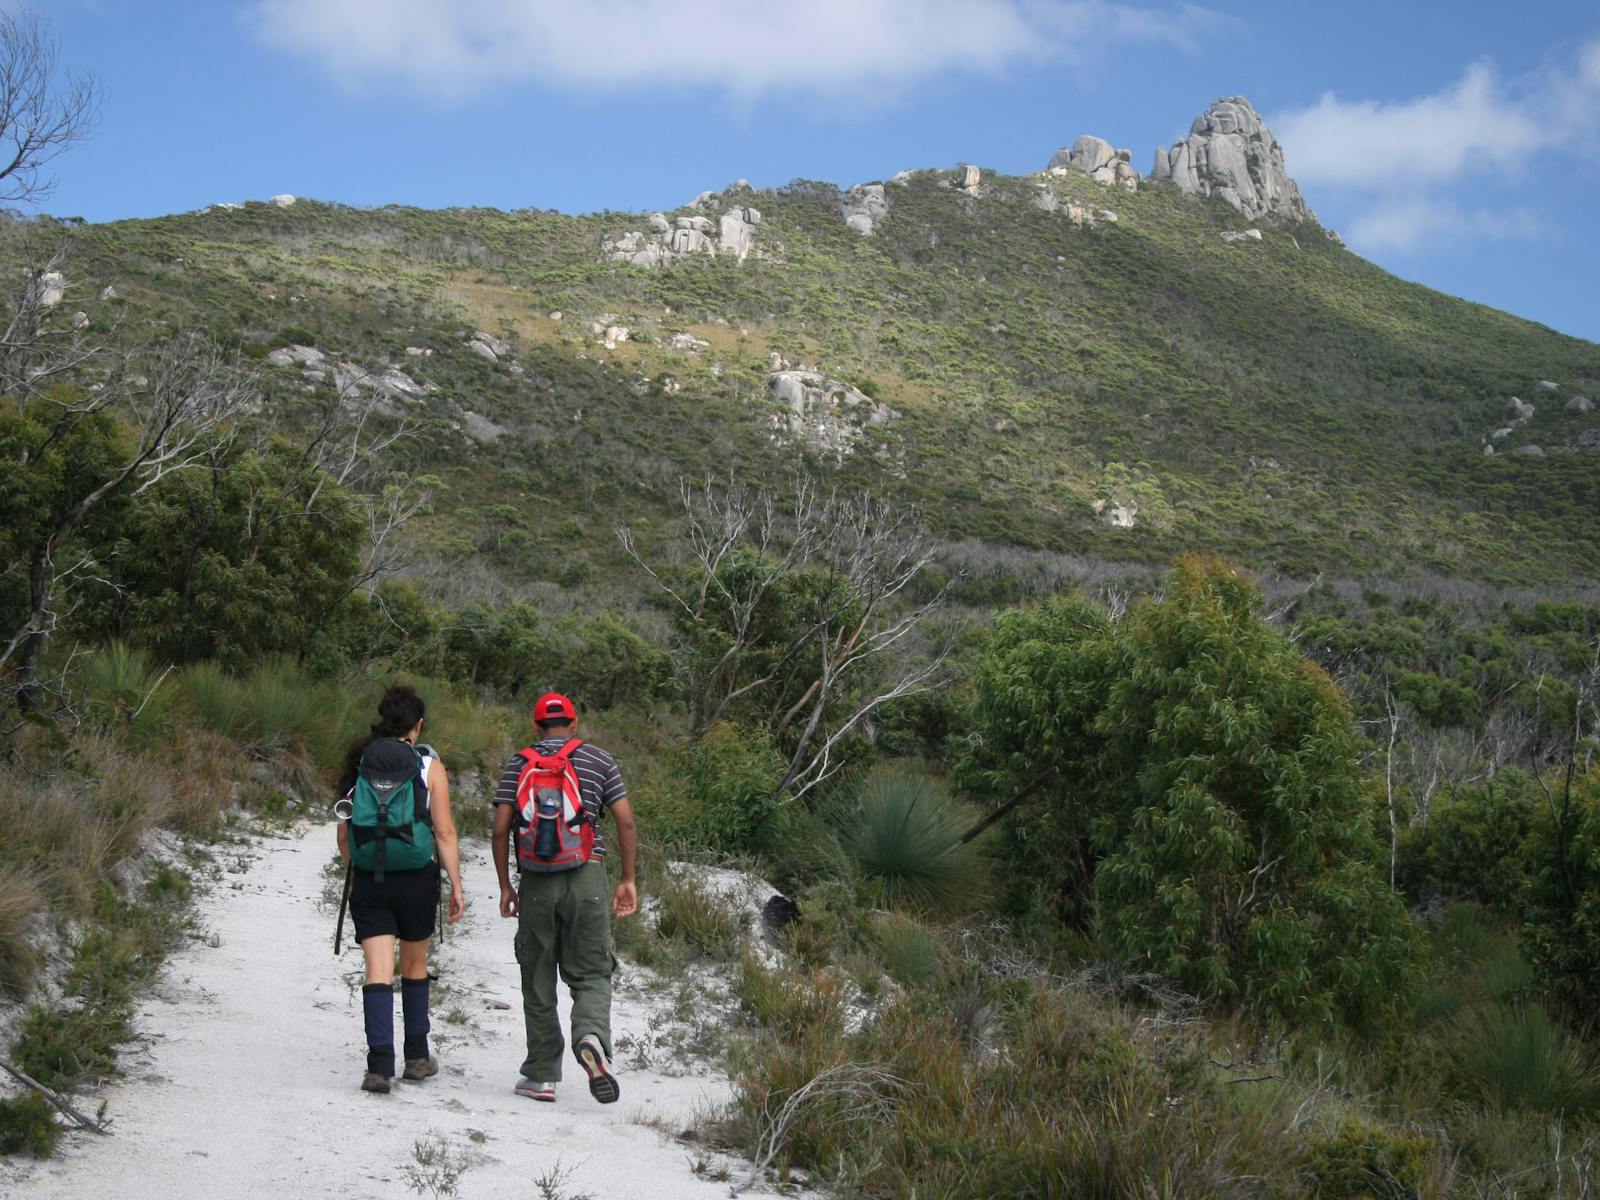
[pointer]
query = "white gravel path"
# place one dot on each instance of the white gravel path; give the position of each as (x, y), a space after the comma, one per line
(243, 1081)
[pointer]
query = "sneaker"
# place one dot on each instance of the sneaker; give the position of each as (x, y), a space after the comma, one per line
(420, 1068)
(373, 1082)
(602, 1083)
(535, 1090)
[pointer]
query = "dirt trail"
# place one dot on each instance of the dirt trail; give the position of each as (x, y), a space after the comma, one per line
(243, 1081)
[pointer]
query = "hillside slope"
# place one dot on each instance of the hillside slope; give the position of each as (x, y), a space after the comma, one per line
(1032, 369)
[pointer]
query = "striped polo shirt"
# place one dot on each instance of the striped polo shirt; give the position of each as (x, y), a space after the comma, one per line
(599, 781)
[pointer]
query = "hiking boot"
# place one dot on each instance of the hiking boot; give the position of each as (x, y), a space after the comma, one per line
(535, 1090)
(420, 1068)
(602, 1083)
(373, 1082)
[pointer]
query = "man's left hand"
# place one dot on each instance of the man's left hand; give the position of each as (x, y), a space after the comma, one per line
(625, 900)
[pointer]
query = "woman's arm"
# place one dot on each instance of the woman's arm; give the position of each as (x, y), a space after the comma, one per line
(445, 836)
(344, 841)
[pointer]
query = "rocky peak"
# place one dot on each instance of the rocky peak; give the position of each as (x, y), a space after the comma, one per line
(1231, 153)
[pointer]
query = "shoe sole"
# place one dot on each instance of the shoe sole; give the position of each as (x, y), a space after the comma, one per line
(543, 1097)
(602, 1084)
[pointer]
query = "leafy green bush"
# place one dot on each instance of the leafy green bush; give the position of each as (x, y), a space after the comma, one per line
(715, 791)
(1365, 1162)
(900, 831)
(1561, 930)
(1477, 844)
(1208, 819)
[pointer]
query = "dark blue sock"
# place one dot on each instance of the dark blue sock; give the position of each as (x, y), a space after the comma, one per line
(414, 1004)
(377, 1005)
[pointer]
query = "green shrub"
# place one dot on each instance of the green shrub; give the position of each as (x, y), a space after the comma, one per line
(1208, 821)
(1561, 923)
(1364, 1162)
(1476, 845)
(900, 831)
(28, 1125)
(716, 791)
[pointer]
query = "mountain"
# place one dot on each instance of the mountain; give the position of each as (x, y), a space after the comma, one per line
(1083, 360)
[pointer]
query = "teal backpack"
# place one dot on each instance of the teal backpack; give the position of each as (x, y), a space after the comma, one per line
(390, 827)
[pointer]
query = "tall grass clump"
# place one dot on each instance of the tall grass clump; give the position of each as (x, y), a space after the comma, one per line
(1515, 1056)
(127, 693)
(21, 899)
(282, 706)
(216, 699)
(900, 830)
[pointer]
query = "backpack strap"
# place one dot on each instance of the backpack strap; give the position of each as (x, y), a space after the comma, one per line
(566, 752)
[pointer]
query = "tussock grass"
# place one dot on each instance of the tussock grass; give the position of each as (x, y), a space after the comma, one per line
(1515, 1056)
(900, 831)
(127, 693)
(21, 899)
(913, 954)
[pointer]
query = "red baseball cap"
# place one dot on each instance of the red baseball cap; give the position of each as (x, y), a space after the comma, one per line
(553, 706)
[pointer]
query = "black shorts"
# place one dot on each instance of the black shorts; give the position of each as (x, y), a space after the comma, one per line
(402, 906)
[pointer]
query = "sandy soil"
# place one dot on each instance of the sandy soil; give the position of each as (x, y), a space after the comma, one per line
(243, 1081)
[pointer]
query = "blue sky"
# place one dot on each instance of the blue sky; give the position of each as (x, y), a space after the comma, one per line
(1453, 143)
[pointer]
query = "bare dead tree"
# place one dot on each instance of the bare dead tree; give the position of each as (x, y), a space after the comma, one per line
(865, 554)
(42, 111)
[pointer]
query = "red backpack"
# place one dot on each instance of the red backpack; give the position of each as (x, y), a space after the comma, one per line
(554, 832)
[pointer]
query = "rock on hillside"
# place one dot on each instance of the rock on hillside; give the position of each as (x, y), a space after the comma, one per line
(828, 415)
(1231, 153)
(1098, 159)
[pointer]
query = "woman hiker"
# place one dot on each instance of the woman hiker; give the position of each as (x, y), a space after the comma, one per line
(395, 880)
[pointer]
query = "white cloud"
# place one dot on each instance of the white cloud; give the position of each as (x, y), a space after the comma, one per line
(1395, 159)
(449, 50)
(1406, 225)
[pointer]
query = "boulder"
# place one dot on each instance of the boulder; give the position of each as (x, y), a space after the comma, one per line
(826, 414)
(1529, 451)
(687, 342)
(614, 335)
(282, 201)
(499, 348)
(1580, 404)
(1230, 153)
(688, 241)
(305, 356)
(79, 320)
(968, 177)
(865, 207)
(1242, 235)
(1518, 410)
(108, 292)
(419, 352)
(1545, 385)
(1127, 176)
(481, 429)
(556, 316)
(700, 224)
(50, 288)
(659, 223)
(1589, 437)
(738, 231)
(482, 350)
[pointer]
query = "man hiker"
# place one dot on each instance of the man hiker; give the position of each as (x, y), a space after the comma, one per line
(550, 797)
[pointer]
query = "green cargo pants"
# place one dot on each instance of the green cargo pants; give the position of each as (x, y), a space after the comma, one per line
(564, 921)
